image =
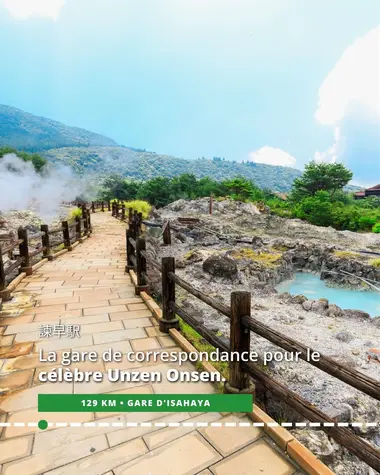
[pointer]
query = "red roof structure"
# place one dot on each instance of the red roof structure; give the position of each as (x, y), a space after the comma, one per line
(374, 188)
(373, 191)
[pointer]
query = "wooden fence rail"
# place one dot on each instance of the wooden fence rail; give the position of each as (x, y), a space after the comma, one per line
(133, 218)
(241, 371)
(22, 252)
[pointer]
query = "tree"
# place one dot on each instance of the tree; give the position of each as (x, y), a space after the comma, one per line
(316, 209)
(118, 187)
(329, 177)
(183, 186)
(240, 188)
(156, 191)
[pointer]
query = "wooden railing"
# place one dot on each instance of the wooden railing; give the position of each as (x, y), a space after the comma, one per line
(24, 253)
(94, 205)
(242, 373)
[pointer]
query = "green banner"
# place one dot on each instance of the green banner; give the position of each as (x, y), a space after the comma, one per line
(145, 403)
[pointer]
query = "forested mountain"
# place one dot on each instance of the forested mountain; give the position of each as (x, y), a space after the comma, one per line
(145, 165)
(85, 151)
(31, 133)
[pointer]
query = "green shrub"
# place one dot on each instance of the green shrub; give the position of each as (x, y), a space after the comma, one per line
(366, 223)
(375, 262)
(74, 213)
(138, 205)
(376, 228)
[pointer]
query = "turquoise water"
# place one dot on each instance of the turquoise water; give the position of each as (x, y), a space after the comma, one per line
(313, 287)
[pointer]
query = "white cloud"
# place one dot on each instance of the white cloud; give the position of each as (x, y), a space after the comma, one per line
(354, 79)
(272, 156)
(23, 9)
(332, 153)
(349, 98)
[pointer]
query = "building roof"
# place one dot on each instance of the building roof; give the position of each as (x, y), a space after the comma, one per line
(375, 188)
(360, 193)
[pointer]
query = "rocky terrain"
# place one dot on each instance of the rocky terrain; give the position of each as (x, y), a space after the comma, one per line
(239, 248)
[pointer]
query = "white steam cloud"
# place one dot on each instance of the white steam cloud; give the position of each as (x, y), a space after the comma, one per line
(21, 188)
(23, 9)
(354, 79)
(272, 156)
(349, 102)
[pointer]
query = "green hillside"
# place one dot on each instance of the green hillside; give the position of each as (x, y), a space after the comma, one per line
(86, 151)
(28, 132)
(145, 165)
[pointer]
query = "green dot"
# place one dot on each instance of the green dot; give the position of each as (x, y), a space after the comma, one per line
(42, 425)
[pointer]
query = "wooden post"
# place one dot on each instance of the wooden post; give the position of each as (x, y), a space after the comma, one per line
(89, 220)
(130, 215)
(86, 226)
(78, 228)
(130, 251)
(2, 272)
(166, 235)
(103, 206)
(169, 318)
(5, 294)
(211, 202)
(109, 205)
(123, 211)
(93, 207)
(139, 223)
(46, 242)
(135, 222)
(140, 267)
(24, 251)
(239, 381)
(133, 229)
(66, 235)
(117, 210)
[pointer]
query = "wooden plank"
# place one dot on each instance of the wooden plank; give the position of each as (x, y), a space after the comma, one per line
(36, 235)
(201, 295)
(350, 376)
(12, 246)
(9, 269)
(355, 444)
(344, 436)
(36, 251)
(188, 220)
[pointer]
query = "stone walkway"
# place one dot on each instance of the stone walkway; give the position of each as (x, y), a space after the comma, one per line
(88, 287)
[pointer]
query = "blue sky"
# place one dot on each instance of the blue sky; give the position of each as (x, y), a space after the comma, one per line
(274, 81)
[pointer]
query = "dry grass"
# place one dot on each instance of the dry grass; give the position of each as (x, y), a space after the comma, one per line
(346, 254)
(374, 262)
(266, 259)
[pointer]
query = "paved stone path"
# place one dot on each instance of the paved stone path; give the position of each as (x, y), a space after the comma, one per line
(88, 287)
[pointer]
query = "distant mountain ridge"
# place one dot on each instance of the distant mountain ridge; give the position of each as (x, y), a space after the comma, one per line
(29, 132)
(86, 151)
(145, 165)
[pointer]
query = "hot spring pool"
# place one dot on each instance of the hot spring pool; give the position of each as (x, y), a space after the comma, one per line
(313, 287)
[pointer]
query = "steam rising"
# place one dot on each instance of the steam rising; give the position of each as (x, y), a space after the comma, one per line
(349, 102)
(21, 187)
